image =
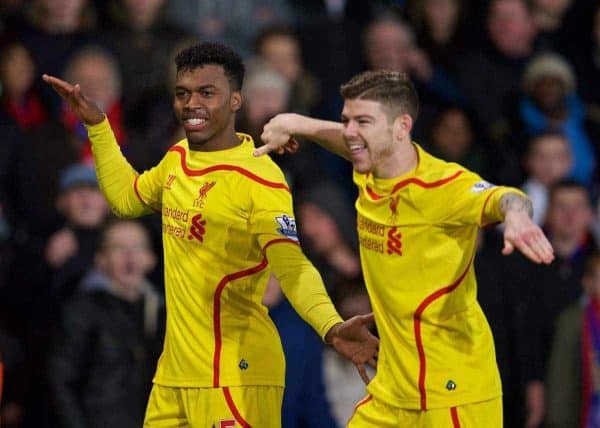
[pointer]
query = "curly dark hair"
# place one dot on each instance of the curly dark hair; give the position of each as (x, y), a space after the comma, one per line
(393, 89)
(213, 53)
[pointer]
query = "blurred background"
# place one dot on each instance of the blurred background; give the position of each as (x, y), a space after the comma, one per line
(508, 88)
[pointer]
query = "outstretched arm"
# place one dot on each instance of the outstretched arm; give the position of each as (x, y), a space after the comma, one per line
(116, 176)
(521, 232)
(280, 132)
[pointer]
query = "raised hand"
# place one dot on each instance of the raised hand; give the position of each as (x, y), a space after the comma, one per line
(353, 340)
(277, 137)
(84, 108)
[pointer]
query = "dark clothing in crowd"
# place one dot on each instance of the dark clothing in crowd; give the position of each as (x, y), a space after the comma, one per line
(304, 401)
(103, 361)
(547, 290)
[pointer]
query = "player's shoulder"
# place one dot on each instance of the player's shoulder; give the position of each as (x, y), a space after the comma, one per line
(262, 166)
(435, 170)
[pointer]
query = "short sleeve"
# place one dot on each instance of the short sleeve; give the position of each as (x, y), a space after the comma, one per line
(470, 200)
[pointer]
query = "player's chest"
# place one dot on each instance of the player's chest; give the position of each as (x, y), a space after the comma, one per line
(214, 200)
(390, 228)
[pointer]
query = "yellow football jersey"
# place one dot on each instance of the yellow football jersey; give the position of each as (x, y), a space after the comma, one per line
(222, 212)
(417, 237)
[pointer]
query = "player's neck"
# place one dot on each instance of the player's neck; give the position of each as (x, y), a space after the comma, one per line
(403, 160)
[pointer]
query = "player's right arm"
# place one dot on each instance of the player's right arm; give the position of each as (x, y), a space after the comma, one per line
(117, 178)
(280, 132)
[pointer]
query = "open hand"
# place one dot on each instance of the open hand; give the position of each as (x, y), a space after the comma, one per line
(522, 233)
(353, 340)
(84, 108)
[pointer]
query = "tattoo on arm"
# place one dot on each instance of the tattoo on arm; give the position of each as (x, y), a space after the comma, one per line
(515, 202)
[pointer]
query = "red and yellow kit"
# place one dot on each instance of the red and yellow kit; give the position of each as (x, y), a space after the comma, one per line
(417, 237)
(227, 223)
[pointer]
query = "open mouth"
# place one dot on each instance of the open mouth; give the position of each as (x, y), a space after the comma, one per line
(356, 148)
(195, 123)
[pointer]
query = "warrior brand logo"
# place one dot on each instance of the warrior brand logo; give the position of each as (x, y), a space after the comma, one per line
(394, 243)
(170, 181)
(197, 229)
(243, 365)
(394, 207)
(202, 193)
(287, 227)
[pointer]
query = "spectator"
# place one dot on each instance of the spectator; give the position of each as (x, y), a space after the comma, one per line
(279, 47)
(551, 104)
(344, 389)
(551, 288)
(453, 138)
(97, 71)
(19, 97)
(441, 29)
(54, 30)
(547, 161)
(555, 20)
(70, 251)
(585, 56)
(233, 22)
(329, 33)
(489, 76)
(572, 386)
(390, 44)
(325, 225)
(304, 402)
(266, 93)
(501, 302)
(101, 368)
(143, 41)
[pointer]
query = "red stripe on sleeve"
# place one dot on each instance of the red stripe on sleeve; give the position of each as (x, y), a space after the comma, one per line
(485, 205)
(278, 241)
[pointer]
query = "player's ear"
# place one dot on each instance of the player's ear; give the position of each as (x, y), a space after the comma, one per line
(236, 100)
(402, 126)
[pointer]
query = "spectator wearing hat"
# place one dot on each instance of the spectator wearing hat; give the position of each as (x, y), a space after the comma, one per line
(550, 103)
(101, 364)
(70, 251)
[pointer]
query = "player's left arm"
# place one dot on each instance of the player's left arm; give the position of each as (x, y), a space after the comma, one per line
(470, 200)
(521, 232)
(272, 223)
(302, 285)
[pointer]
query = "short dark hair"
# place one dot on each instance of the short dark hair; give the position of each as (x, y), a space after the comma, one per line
(393, 89)
(213, 53)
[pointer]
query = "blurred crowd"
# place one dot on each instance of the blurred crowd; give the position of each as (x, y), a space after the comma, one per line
(508, 88)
